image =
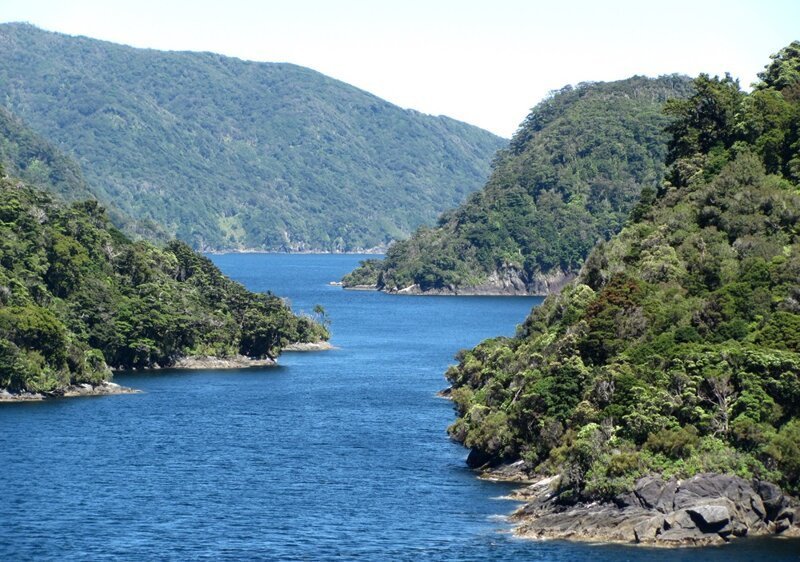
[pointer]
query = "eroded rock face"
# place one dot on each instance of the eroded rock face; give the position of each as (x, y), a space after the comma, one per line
(706, 509)
(503, 282)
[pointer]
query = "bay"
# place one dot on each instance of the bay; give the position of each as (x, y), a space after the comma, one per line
(333, 455)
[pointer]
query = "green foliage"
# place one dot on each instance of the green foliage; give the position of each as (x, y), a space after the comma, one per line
(76, 296)
(24, 154)
(572, 172)
(226, 153)
(683, 331)
(366, 275)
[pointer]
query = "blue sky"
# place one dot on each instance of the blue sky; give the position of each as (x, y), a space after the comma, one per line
(484, 62)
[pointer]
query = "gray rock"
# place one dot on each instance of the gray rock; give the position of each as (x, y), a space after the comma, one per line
(649, 529)
(772, 497)
(654, 493)
(679, 520)
(687, 536)
(710, 518)
(706, 509)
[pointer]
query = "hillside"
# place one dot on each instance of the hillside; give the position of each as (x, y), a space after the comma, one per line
(231, 154)
(676, 352)
(569, 178)
(26, 155)
(77, 296)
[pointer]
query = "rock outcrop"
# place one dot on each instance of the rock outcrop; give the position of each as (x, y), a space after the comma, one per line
(703, 510)
(211, 362)
(102, 389)
(309, 346)
(503, 282)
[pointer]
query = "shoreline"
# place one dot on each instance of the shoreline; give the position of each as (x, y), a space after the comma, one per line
(196, 363)
(704, 510)
(376, 251)
(72, 391)
(467, 292)
(303, 347)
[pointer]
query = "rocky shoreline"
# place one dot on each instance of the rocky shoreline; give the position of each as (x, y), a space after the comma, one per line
(505, 283)
(188, 363)
(310, 346)
(707, 509)
(212, 362)
(72, 391)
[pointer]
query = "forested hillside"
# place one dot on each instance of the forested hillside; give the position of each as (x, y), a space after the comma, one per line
(570, 176)
(26, 155)
(77, 296)
(677, 349)
(230, 154)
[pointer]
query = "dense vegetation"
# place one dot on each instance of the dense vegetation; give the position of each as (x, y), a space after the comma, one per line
(26, 155)
(677, 350)
(76, 296)
(570, 176)
(233, 154)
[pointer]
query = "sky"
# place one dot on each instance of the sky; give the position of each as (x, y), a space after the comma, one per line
(484, 62)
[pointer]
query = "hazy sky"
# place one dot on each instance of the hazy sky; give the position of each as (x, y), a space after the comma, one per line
(484, 62)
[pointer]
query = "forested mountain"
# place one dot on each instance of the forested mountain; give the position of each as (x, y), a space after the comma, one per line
(570, 176)
(230, 154)
(76, 296)
(677, 349)
(26, 155)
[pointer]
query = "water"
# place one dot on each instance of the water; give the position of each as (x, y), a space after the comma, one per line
(334, 455)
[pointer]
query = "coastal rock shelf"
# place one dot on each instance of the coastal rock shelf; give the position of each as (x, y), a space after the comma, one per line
(704, 510)
(102, 389)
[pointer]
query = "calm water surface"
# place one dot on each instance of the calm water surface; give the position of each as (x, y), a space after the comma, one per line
(334, 455)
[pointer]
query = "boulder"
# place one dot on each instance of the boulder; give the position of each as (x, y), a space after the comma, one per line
(710, 518)
(772, 498)
(679, 520)
(649, 529)
(656, 494)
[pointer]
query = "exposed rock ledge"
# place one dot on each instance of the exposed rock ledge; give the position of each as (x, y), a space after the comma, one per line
(704, 510)
(102, 389)
(309, 346)
(505, 282)
(211, 362)
(360, 287)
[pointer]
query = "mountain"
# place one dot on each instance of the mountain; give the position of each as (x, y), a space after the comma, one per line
(76, 296)
(569, 178)
(231, 154)
(676, 351)
(26, 155)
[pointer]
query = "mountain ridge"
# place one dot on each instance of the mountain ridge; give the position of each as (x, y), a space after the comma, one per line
(568, 178)
(232, 154)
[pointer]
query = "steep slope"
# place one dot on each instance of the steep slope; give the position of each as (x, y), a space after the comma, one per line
(677, 350)
(26, 155)
(233, 154)
(76, 296)
(570, 176)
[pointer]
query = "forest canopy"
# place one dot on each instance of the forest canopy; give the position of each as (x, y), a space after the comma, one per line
(677, 349)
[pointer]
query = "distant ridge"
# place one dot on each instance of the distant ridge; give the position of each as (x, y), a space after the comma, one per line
(231, 154)
(569, 178)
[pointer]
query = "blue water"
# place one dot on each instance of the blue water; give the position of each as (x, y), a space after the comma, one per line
(334, 455)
